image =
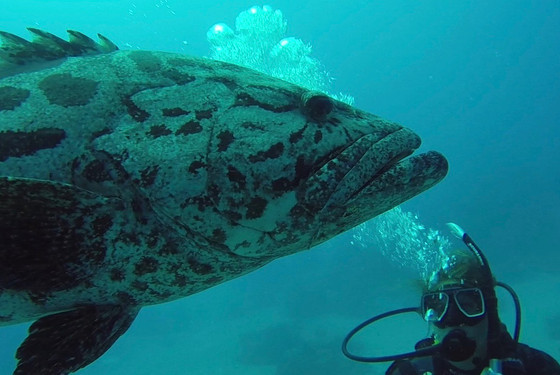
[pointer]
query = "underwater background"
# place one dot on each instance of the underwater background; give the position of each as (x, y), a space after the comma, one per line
(476, 80)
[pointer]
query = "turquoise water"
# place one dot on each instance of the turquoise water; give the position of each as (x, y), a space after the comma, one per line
(477, 81)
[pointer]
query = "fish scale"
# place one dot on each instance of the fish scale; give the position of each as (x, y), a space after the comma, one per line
(132, 178)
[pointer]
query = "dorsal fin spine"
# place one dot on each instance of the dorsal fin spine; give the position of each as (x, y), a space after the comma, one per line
(47, 47)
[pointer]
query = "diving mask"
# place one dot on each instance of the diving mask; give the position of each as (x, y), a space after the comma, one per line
(442, 307)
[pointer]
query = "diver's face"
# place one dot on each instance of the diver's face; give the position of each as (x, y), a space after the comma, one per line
(462, 309)
(477, 332)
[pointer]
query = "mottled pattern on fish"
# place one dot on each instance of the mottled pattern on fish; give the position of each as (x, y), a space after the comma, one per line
(140, 177)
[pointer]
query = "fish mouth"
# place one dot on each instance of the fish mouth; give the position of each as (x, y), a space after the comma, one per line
(386, 168)
(369, 177)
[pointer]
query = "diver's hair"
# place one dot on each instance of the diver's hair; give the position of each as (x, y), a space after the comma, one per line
(463, 268)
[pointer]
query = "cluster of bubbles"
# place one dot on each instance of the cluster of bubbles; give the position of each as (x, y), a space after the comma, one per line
(400, 236)
(259, 42)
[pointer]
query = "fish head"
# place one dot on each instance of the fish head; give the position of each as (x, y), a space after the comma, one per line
(290, 168)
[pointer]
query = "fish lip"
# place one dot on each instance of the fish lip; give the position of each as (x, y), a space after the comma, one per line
(387, 168)
(380, 158)
(356, 166)
(396, 184)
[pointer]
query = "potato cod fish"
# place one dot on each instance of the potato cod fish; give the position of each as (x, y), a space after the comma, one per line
(132, 178)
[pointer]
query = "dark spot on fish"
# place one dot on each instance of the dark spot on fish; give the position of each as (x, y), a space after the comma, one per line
(195, 166)
(297, 136)
(201, 202)
(12, 97)
(302, 170)
(141, 286)
(275, 151)
(282, 185)
(333, 166)
(205, 114)
(16, 143)
(236, 177)
(334, 121)
(219, 235)
(116, 274)
(137, 113)
(129, 238)
(245, 100)
(148, 175)
(157, 131)
(214, 190)
(152, 239)
(178, 77)
(226, 138)
(298, 212)
(146, 265)
(244, 244)
(100, 133)
(191, 127)
(256, 208)
(126, 299)
(199, 268)
(138, 207)
(252, 126)
(229, 83)
(67, 91)
(102, 224)
(318, 136)
(96, 171)
(233, 215)
(169, 248)
(174, 112)
(180, 280)
(145, 61)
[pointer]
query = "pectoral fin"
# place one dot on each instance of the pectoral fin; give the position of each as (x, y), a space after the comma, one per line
(62, 343)
(52, 234)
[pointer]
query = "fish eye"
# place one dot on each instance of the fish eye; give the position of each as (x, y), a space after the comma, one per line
(317, 105)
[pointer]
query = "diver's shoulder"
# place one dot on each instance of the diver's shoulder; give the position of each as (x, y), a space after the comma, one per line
(536, 361)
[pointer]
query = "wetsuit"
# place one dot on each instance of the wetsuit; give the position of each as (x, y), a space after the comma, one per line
(517, 359)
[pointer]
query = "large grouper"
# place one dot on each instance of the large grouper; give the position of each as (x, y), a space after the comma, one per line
(132, 178)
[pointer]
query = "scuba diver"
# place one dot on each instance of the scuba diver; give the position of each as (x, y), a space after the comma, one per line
(467, 337)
